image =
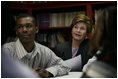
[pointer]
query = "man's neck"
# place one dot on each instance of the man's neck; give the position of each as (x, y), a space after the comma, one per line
(29, 46)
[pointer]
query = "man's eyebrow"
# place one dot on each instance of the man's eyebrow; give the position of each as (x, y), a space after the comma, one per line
(25, 24)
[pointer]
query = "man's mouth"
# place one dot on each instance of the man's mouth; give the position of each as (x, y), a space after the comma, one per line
(26, 36)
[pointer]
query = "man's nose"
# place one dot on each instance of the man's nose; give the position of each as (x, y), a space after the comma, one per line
(24, 29)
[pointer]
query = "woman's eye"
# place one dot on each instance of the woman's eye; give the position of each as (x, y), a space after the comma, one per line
(75, 26)
(82, 28)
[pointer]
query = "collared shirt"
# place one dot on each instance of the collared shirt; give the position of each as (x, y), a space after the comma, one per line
(41, 57)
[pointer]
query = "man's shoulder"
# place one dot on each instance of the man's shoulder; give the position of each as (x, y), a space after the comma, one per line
(39, 45)
(42, 47)
(8, 47)
(10, 44)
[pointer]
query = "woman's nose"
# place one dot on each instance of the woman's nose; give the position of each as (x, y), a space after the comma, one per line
(78, 29)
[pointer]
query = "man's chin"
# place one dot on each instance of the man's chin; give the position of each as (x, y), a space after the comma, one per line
(26, 40)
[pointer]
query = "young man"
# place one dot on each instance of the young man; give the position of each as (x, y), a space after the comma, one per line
(11, 68)
(33, 54)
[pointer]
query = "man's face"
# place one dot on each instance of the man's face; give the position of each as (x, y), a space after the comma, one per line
(79, 31)
(26, 29)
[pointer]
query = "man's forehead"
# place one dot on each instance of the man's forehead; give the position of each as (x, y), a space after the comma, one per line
(25, 19)
(28, 18)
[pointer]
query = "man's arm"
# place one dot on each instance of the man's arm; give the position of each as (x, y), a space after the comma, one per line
(56, 65)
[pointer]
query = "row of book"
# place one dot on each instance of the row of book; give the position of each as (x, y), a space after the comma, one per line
(50, 40)
(64, 19)
(33, 2)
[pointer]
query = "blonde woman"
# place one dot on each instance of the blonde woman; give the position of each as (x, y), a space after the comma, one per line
(79, 44)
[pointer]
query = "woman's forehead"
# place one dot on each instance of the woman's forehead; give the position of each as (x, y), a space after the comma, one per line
(81, 23)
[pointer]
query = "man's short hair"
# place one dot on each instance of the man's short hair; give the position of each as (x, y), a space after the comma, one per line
(26, 15)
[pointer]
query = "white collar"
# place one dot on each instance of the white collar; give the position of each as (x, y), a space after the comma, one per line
(21, 52)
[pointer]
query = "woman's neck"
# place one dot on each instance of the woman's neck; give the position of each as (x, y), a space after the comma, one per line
(75, 43)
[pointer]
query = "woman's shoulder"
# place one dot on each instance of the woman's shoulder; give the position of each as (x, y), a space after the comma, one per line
(66, 43)
(63, 46)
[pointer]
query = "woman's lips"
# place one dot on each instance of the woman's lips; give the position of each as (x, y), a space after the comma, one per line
(78, 35)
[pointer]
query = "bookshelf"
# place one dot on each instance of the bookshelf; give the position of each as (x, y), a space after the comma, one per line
(56, 16)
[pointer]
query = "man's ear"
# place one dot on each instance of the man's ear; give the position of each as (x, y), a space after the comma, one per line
(16, 33)
(86, 37)
(37, 30)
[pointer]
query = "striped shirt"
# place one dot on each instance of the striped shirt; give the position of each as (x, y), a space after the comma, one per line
(41, 57)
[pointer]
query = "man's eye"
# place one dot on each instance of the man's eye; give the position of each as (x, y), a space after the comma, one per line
(19, 26)
(28, 25)
(22, 26)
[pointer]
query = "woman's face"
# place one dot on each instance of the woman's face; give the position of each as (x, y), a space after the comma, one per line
(79, 31)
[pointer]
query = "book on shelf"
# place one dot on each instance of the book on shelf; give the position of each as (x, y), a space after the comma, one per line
(53, 20)
(43, 20)
(60, 19)
(54, 39)
(70, 15)
(63, 19)
(60, 38)
(50, 40)
(68, 18)
(41, 37)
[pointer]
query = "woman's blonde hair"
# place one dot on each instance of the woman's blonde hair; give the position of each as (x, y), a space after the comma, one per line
(85, 19)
